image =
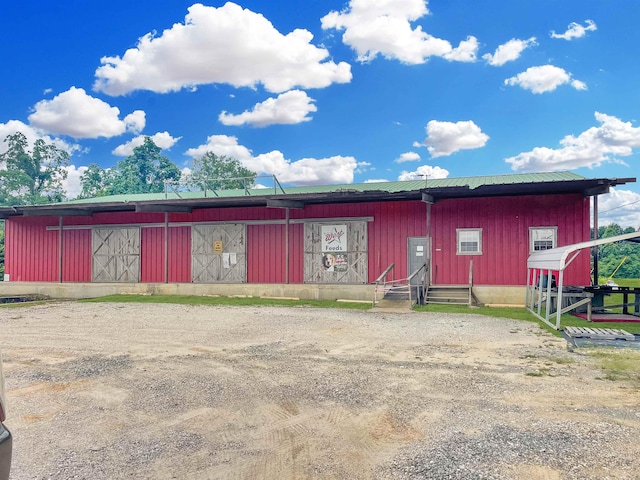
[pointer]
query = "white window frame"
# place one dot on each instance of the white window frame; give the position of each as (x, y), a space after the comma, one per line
(459, 232)
(532, 239)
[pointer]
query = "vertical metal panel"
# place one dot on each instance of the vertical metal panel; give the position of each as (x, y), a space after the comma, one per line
(152, 255)
(31, 251)
(180, 254)
(266, 261)
(76, 255)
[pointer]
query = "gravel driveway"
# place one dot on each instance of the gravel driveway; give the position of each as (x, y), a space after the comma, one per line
(109, 391)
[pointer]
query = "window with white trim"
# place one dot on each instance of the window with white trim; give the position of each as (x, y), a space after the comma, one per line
(469, 241)
(542, 238)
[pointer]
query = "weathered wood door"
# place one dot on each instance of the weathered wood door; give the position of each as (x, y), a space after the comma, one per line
(218, 253)
(335, 252)
(116, 254)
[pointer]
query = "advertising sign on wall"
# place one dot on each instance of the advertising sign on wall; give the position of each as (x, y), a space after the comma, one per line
(334, 238)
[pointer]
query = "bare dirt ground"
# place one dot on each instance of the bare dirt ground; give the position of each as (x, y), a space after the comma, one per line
(109, 391)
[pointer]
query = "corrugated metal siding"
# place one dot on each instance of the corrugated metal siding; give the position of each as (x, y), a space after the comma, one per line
(505, 226)
(76, 256)
(180, 254)
(152, 255)
(31, 250)
(266, 253)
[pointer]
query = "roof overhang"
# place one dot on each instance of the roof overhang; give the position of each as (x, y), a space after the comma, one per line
(585, 187)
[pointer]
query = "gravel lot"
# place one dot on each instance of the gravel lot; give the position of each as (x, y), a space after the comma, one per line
(109, 391)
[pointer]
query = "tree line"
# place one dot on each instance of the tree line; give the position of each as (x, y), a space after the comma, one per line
(623, 256)
(35, 176)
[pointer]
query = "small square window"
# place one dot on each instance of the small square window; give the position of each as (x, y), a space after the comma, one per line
(469, 241)
(542, 238)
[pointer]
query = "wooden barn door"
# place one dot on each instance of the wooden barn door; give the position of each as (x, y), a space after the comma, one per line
(335, 252)
(116, 254)
(218, 253)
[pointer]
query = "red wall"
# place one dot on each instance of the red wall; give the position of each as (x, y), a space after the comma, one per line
(505, 223)
(32, 251)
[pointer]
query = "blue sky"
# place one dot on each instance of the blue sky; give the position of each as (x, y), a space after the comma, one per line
(322, 92)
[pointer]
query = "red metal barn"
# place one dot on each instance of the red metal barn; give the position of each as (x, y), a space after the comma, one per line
(302, 241)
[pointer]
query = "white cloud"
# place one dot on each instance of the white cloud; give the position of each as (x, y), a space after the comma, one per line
(72, 184)
(445, 138)
(383, 27)
(507, 52)
(575, 30)
(135, 121)
(287, 109)
(408, 157)
(306, 171)
(221, 45)
(32, 134)
(162, 139)
(78, 115)
(593, 147)
(621, 207)
(424, 171)
(578, 85)
(544, 78)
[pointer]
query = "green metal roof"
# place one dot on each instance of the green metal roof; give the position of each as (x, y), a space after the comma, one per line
(389, 187)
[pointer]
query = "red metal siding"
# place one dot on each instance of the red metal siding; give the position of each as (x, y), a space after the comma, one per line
(76, 256)
(31, 251)
(180, 255)
(505, 226)
(266, 254)
(152, 255)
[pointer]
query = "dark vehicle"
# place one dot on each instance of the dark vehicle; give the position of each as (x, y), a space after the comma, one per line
(5, 435)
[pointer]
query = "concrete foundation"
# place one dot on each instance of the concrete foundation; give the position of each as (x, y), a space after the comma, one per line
(92, 290)
(487, 295)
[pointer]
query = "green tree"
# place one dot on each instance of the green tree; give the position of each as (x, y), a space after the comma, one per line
(144, 171)
(219, 172)
(32, 177)
(625, 255)
(94, 181)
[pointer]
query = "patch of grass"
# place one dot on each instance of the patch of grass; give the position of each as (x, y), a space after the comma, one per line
(232, 301)
(619, 365)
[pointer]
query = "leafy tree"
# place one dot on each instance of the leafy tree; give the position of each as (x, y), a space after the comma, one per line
(32, 177)
(611, 255)
(144, 171)
(94, 182)
(219, 172)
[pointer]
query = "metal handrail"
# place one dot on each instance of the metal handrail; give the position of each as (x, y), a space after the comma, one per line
(410, 277)
(382, 279)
